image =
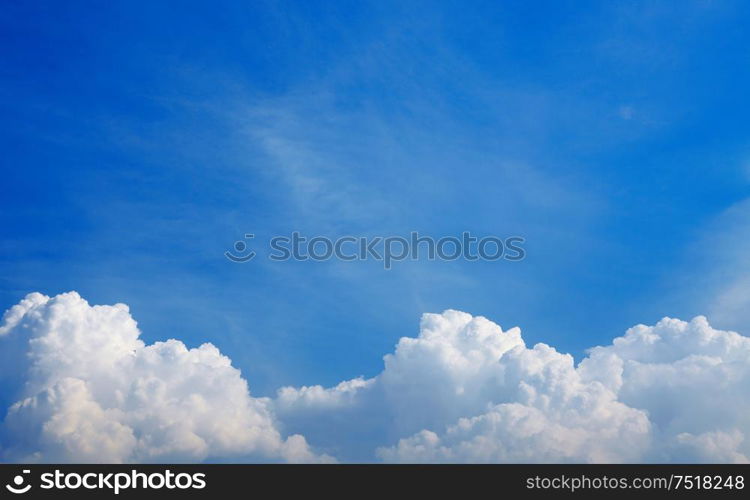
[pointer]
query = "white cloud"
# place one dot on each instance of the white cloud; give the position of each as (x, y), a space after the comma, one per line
(94, 392)
(464, 390)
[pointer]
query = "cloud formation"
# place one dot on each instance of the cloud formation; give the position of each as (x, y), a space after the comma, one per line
(94, 392)
(464, 390)
(467, 391)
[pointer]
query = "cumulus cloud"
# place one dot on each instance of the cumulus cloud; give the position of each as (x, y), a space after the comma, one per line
(467, 391)
(463, 390)
(94, 392)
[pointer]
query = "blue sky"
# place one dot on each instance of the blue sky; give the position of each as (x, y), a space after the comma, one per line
(141, 140)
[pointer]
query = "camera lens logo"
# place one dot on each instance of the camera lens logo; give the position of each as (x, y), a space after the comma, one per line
(18, 482)
(240, 247)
